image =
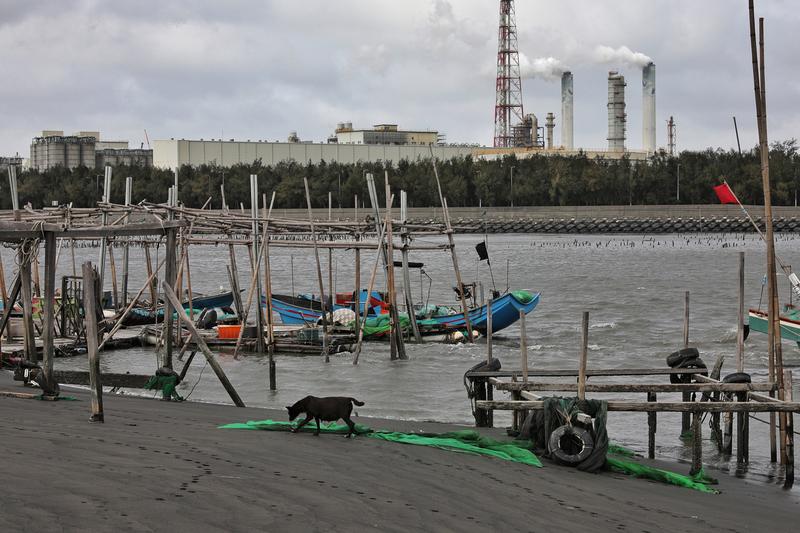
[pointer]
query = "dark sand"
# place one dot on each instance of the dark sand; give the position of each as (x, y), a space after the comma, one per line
(156, 466)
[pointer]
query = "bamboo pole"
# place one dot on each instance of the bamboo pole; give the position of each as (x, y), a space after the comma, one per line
(406, 275)
(583, 355)
(323, 301)
(113, 265)
(27, 302)
(523, 346)
(90, 281)
(773, 328)
(126, 249)
(357, 291)
(3, 290)
(398, 350)
(686, 417)
(268, 289)
(740, 325)
(120, 318)
(370, 286)
(789, 433)
(256, 263)
(169, 294)
(489, 331)
(254, 281)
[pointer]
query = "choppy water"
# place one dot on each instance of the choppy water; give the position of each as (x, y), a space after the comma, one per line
(632, 285)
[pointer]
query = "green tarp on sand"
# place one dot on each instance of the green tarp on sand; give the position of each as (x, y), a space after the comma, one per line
(469, 441)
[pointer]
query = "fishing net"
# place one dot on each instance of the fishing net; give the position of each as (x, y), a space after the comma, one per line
(381, 324)
(466, 441)
(522, 297)
(471, 442)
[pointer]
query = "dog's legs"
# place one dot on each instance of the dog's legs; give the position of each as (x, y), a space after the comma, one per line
(351, 425)
(303, 423)
(317, 433)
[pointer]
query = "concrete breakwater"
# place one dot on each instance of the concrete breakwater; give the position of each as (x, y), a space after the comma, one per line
(617, 225)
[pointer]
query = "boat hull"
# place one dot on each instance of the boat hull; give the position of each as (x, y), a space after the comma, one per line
(790, 329)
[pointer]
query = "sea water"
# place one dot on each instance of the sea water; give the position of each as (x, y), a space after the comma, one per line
(632, 285)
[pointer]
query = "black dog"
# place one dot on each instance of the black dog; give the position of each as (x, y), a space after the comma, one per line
(327, 409)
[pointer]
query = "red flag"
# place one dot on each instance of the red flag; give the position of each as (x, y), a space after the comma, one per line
(725, 194)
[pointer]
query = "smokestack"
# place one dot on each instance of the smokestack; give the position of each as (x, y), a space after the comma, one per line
(616, 112)
(549, 124)
(649, 107)
(566, 111)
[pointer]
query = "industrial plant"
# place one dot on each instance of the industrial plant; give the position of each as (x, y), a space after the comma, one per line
(520, 133)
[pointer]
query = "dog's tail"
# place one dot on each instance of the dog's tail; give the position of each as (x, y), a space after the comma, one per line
(356, 402)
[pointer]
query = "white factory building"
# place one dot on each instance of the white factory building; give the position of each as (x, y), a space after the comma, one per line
(174, 153)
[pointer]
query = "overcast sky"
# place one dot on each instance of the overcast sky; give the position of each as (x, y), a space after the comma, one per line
(259, 69)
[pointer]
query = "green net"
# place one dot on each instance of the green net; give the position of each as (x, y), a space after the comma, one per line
(665, 476)
(381, 324)
(522, 297)
(472, 442)
(467, 441)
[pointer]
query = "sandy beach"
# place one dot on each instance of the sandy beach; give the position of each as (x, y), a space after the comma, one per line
(156, 466)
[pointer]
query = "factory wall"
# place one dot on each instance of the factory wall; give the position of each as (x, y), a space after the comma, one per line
(175, 153)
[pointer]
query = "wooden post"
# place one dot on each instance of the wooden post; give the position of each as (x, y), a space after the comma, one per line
(37, 286)
(523, 346)
(48, 305)
(268, 290)
(27, 302)
(151, 284)
(126, 249)
(740, 325)
(583, 355)
(170, 272)
(406, 275)
(742, 437)
(169, 295)
(489, 331)
(113, 265)
(685, 396)
(697, 444)
(322, 300)
(651, 428)
(789, 468)
(15, 289)
(3, 290)
(90, 281)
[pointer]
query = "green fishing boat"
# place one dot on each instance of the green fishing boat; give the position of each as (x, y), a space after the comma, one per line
(790, 322)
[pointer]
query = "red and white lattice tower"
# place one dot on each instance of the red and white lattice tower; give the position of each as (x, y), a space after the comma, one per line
(508, 102)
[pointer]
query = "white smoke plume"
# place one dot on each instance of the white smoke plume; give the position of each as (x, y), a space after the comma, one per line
(622, 55)
(546, 68)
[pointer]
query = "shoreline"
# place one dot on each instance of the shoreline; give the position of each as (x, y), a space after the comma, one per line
(155, 465)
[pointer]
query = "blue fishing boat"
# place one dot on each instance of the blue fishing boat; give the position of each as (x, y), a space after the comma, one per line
(139, 316)
(301, 310)
(505, 311)
(306, 309)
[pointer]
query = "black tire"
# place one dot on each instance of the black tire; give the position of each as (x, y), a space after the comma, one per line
(737, 377)
(570, 445)
(676, 358)
(695, 363)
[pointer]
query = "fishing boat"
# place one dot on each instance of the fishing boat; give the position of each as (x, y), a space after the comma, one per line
(790, 322)
(140, 316)
(307, 309)
(505, 311)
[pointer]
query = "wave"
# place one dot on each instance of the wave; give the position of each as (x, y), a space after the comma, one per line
(603, 325)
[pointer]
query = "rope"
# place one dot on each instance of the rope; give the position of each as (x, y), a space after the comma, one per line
(766, 422)
(197, 382)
